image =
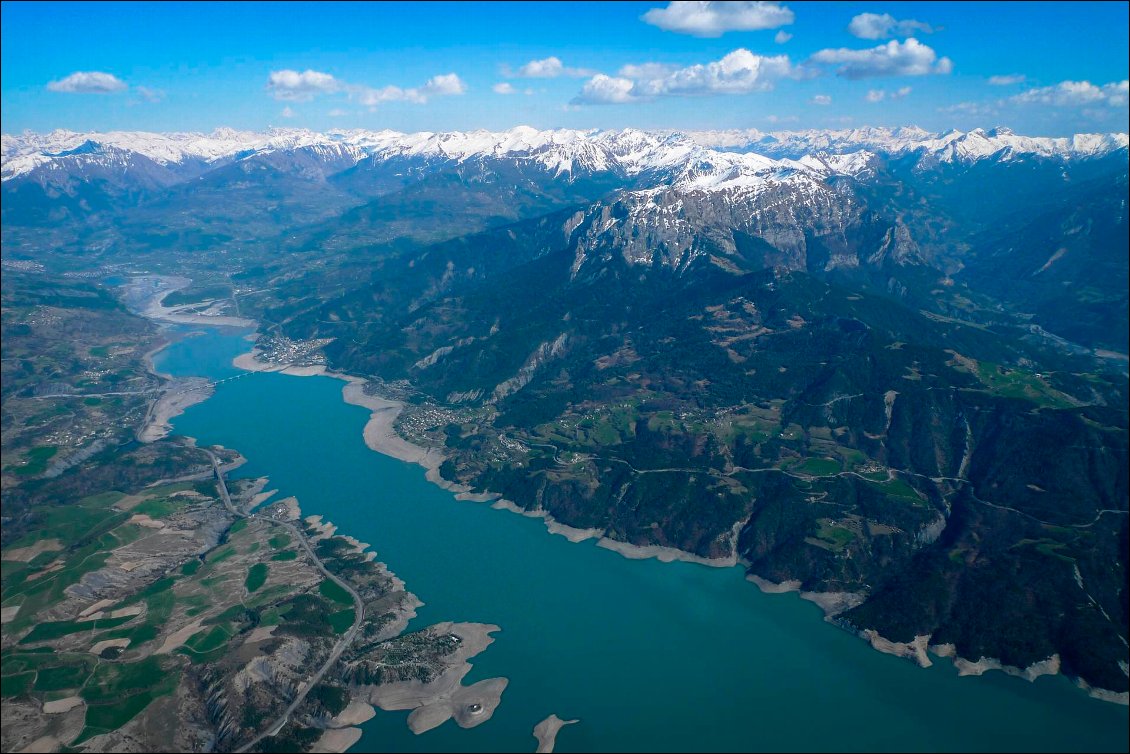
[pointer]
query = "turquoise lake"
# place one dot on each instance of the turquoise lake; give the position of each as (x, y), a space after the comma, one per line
(649, 656)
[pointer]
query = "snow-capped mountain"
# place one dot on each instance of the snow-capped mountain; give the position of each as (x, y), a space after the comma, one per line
(561, 153)
(951, 147)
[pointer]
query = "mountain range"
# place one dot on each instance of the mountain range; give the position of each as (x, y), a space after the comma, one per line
(883, 366)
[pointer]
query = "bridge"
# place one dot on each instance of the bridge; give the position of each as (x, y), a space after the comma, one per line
(229, 379)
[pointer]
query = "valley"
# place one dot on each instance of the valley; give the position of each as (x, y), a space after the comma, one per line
(790, 357)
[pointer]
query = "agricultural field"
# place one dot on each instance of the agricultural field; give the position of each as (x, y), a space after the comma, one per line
(120, 609)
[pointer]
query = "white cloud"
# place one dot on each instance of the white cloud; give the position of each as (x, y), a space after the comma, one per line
(370, 97)
(775, 119)
(287, 112)
(821, 99)
(148, 94)
(292, 86)
(739, 72)
(636, 71)
(782, 36)
(547, 68)
(88, 82)
(977, 109)
(1089, 100)
(444, 85)
(505, 87)
(1076, 93)
(1010, 79)
(885, 26)
(337, 112)
(879, 95)
(606, 90)
(713, 19)
(909, 58)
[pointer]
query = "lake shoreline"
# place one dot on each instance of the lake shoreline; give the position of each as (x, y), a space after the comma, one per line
(380, 436)
(340, 734)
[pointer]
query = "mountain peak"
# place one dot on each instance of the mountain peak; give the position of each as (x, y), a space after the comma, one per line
(561, 151)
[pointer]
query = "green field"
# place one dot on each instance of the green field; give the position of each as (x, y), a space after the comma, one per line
(37, 459)
(256, 577)
(334, 592)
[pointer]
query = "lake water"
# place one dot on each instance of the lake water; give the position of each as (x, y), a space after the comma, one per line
(649, 656)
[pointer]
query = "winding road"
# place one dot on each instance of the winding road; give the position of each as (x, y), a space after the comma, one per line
(345, 641)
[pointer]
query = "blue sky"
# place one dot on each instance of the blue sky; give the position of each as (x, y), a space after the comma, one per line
(1040, 68)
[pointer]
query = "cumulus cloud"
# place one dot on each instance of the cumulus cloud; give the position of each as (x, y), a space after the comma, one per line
(88, 82)
(444, 85)
(885, 26)
(505, 87)
(1076, 93)
(739, 72)
(782, 36)
(606, 90)
(287, 112)
(294, 86)
(337, 112)
(1009, 80)
(879, 95)
(636, 71)
(821, 99)
(713, 19)
(547, 68)
(909, 58)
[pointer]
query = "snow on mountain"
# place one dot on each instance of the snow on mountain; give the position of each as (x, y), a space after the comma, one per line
(951, 147)
(717, 160)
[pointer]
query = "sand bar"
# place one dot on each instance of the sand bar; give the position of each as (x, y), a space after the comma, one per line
(445, 697)
(176, 398)
(546, 732)
(355, 713)
(337, 740)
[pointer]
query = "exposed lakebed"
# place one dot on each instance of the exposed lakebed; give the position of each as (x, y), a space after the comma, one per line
(647, 655)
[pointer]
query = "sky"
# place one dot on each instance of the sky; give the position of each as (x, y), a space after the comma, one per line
(1049, 68)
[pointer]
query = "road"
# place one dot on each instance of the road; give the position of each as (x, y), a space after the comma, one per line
(343, 642)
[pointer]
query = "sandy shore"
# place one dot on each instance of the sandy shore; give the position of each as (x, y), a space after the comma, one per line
(770, 588)
(380, 436)
(355, 713)
(911, 650)
(446, 697)
(663, 554)
(336, 740)
(834, 603)
(546, 732)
